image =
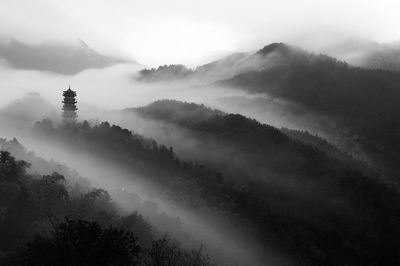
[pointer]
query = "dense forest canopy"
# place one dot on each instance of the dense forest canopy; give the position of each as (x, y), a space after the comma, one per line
(94, 231)
(324, 210)
(245, 137)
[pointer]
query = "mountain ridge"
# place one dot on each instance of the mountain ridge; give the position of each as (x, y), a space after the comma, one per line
(57, 57)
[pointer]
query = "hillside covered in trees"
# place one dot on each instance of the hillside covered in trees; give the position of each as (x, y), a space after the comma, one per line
(346, 103)
(362, 101)
(249, 146)
(318, 211)
(49, 220)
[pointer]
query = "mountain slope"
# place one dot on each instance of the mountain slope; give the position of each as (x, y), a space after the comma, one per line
(220, 69)
(359, 52)
(366, 102)
(67, 59)
(32, 209)
(252, 148)
(29, 108)
(300, 186)
(329, 215)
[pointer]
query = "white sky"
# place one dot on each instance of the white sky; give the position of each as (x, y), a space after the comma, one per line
(193, 32)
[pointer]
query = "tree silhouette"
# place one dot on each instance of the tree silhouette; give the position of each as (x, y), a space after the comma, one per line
(82, 243)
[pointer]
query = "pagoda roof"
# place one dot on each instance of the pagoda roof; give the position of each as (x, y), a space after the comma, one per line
(69, 93)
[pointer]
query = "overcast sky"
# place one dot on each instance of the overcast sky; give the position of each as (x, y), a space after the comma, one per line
(193, 32)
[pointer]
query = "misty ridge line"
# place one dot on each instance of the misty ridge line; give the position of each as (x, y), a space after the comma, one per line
(184, 115)
(165, 110)
(238, 63)
(70, 59)
(56, 57)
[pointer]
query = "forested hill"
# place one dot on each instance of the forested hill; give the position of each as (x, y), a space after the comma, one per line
(250, 141)
(328, 215)
(321, 82)
(365, 102)
(45, 221)
(176, 111)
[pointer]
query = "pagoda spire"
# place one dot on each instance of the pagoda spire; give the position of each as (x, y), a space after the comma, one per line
(69, 106)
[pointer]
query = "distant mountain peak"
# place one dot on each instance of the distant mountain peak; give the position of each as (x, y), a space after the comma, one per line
(58, 56)
(74, 43)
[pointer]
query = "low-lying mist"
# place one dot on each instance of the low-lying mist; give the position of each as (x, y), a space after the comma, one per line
(117, 87)
(110, 88)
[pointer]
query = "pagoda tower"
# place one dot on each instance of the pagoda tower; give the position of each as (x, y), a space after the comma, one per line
(69, 108)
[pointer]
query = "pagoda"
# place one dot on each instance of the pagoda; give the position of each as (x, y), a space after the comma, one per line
(69, 108)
